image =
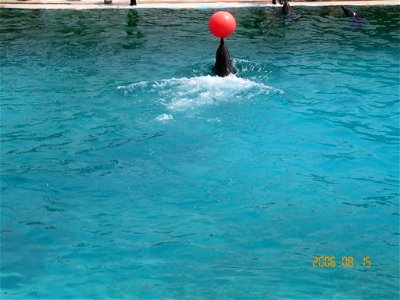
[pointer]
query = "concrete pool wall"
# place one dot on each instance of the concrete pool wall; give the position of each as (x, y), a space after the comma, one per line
(173, 4)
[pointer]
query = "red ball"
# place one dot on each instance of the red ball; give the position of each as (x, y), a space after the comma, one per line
(222, 24)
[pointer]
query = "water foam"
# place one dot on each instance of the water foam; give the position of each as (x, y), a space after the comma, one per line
(190, 93)
(133, 87)
(164, 117)
(181, 94)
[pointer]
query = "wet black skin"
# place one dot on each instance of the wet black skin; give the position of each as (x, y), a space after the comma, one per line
(349, 12)
(223, 64)
(287, 10)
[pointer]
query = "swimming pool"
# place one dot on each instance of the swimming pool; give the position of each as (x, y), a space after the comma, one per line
(128, 171)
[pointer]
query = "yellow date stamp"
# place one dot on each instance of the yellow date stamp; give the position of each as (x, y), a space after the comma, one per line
(341, 262)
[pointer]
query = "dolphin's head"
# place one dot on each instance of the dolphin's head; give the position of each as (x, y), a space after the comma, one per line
(349, 12)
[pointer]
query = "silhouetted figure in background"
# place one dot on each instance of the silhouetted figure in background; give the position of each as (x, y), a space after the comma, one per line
(280, 2)
(133, 2)
(223, 64)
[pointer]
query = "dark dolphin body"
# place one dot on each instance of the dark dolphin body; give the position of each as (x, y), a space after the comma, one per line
(223, 64)
(356, 19)
(349, 12)
(287, 10)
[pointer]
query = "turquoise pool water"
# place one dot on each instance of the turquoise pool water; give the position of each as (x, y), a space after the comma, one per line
(128, 171)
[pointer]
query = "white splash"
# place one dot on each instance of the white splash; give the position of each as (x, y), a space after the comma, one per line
(164, 117)
(181, 94)
(214, 120)
(133, 86)
(189, 93)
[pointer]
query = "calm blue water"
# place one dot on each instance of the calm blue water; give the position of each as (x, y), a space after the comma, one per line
(128, 171)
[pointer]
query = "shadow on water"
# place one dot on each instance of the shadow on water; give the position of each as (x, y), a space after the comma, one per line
(22, 258)
(322, 27)
(135, 38)
(259, 23)
(132, 22)
(14, 21)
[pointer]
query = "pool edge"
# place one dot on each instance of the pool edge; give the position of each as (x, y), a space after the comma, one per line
(176, 4)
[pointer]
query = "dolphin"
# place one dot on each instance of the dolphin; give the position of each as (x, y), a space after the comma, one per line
(223, 64)
(349, 12)
(355, 18)
(287, 10)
